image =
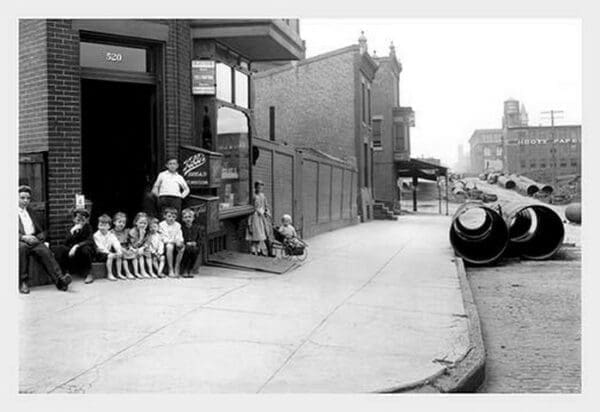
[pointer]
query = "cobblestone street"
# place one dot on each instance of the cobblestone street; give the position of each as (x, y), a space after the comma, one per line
(531, 322)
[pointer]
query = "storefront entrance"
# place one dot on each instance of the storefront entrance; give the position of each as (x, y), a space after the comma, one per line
(119, 162)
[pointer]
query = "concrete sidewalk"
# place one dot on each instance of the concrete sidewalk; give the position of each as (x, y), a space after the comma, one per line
(376, 307)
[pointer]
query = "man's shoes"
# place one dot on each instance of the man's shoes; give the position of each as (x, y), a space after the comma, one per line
(63, 282)
(89, 278)
(24, 288)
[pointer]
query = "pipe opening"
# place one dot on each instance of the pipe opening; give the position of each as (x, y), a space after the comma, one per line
(547, 189)
(532, 189)
(536, 232)
(478, 234)
(510, 184)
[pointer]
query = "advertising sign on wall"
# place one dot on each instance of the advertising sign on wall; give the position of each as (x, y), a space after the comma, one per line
(203, 77)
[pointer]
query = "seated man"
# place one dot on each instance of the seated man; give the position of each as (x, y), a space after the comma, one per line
(31, 243)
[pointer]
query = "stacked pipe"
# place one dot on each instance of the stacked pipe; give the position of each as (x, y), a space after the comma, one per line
(482, 234)
(527, 185)
(506, 182)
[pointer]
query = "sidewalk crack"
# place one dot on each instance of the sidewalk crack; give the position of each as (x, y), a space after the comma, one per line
(312, 332)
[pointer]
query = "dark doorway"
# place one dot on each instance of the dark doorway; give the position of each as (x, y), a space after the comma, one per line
(118, 145)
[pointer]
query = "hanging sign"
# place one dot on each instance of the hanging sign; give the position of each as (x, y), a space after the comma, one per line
(203, 77)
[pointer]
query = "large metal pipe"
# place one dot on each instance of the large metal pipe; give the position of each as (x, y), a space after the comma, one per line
(526, 185)
(535, 230)
(547, 189)
(506, 182)
(478, 233)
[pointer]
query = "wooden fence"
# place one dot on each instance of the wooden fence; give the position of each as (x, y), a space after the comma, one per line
(319, 192)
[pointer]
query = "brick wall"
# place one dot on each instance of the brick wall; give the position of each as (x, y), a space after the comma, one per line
(64, 129)
(49, 104)
(178, 56)
(33, 86)
(314, 104)
(384, 187)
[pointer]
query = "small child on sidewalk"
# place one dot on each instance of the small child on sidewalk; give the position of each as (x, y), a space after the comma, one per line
(289, 232)
(122, 235)
(108, 247)
(172, 237)
(137, 241)
(191, 239)
(77, 250)
(156, 247)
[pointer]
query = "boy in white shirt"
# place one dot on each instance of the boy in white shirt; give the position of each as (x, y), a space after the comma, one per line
(170, 187)
(108, 247)
(172, 237)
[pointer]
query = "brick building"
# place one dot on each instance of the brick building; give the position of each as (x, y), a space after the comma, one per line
(322, 103)
(391, 137)
(540, 152)
(102, 104)
(486, 150)
(544, 153)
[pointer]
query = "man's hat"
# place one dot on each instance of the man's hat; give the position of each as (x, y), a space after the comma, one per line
(81, 211)
(258, 182)
(24, 188)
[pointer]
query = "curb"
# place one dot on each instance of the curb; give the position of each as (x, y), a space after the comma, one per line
(466, 375)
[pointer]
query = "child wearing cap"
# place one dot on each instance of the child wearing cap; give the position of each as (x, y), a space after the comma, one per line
(76, 252)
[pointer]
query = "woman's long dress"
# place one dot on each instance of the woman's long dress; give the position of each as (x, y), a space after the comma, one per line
(259, 227)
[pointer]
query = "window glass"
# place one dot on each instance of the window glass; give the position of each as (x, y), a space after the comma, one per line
(232, 142)
(224, 86)
(363, 102)
(241, 89)
(399, 136)
(376, 132)
(486, 151)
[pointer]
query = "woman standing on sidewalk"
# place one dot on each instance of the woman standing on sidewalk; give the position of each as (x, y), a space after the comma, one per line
(259, 232)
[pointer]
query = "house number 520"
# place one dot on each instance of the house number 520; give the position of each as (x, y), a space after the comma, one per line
(114, 57)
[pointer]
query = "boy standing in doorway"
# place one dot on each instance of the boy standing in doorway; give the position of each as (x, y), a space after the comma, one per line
(170, 187)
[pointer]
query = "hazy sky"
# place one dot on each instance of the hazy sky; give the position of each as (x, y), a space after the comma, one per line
(458, 72)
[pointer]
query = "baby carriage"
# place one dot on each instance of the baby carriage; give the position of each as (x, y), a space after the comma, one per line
(295, 249)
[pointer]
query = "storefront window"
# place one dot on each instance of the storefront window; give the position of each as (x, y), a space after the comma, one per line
(224, 86)
(241, 89)
(233, 143)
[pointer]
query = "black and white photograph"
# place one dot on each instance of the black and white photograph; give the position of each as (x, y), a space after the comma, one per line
(386, 205)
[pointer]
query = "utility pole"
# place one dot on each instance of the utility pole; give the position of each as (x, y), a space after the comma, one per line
(553, 115)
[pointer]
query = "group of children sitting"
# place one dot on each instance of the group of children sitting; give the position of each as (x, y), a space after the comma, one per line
(145, 245)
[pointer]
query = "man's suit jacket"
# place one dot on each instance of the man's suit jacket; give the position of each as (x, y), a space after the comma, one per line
(38, 230)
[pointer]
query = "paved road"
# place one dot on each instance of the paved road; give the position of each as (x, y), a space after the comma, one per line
(531, 321)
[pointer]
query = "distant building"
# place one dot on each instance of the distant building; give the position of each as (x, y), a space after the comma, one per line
(462, 160)
(543, 152)
(540, 152)
(486, 150)
(391, 127)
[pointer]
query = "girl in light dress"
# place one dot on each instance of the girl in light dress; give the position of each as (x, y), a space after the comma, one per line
(122, 235)
(259, 231)
(138, 237)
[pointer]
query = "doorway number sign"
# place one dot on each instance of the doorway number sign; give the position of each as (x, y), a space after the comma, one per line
(114, 57)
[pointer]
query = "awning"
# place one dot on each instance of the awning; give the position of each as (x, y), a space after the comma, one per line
(255, 39)
(420, 169)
